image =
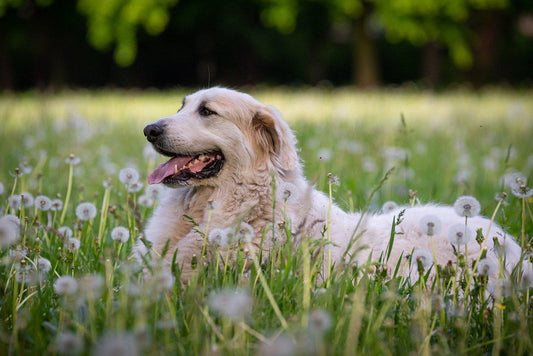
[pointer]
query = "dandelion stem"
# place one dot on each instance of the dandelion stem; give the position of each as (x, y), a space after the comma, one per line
(103, 215)
(67, 196)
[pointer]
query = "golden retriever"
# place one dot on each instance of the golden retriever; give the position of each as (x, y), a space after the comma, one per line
(225, 148)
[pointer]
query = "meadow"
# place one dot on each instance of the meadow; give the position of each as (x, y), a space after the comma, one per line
(70, 215)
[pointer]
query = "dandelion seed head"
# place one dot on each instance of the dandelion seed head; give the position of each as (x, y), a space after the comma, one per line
(106, 183)
(116, 344)
(43, 265)
(234, 304)
(86, 211)
(287, 191)
(9, 230)
(65, 232)
(423, 256)
(145, 201)
(527, 274)
(486, 267)
(154, 191)
(459, 234)
(369, 165)
(162, 280)
(1, 188)
(430, 225)
(43, 203)
(68, 343)
(521, 191)
(73, 244)
(282, 345)
(501, 288)
(27, 199)
(388, 206)
(66, 285)
(218, 237)
(333, 180)
(149, 152)
(56, 205)
(324, 154)
(91, 286)
(467, 206)
(135, 187)
(245, 233)
(120, 234)
(72, 160)
(25, 168)
(128, 175)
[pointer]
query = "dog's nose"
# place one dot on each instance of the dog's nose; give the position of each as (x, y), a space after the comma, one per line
(153, 131)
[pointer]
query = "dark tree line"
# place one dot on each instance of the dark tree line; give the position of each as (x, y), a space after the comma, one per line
(143, 43)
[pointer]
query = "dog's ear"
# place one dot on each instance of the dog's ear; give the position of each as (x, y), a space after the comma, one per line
(276, 139)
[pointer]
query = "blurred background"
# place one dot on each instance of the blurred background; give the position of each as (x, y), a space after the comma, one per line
(55, 44)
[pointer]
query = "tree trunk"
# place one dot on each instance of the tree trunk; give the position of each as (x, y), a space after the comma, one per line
(431, 64)
(365, 67)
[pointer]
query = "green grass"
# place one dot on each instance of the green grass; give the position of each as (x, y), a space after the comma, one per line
(457, 143)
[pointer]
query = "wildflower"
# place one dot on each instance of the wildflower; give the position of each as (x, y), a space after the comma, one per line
(324, 154)
(43, 203)
(395, 153)
(66, 285)
(459, 234)
(43, 265)
(154, 191)
(120, 234)
(422, 256)
(218, 237)
(65, 232)
(1, 188)
(86, 211)
(72, 160)
(319, 322)
(16, 202)
(467, 206)
(333, 180)
(462, 176)
(162, 280)
(27, 199)
(521, 191)
(106, 183)
(388, 206)
(73, 244)
(9, 230)
(501, 197)
(501, 288)
(128, 175)
(287, 191)
(134, 187)
(245, 233)
(234, 304)
(116, 344)
(68, 343)
(486, 267)
(512, 179)
(430, 225)
(91, 286)
(25, 168)
(57, 205)
(145, 201)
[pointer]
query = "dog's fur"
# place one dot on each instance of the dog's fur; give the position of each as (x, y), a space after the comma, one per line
(258, 146)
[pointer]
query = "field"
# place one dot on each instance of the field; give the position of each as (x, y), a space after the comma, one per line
(72, 146)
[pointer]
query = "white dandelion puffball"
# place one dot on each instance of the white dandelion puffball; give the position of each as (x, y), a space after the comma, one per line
(120, 234)
(27, 199)
(57, 205)
(128, 175)
(424, 256)
(43, 203)
(287, 191)
(234, 304)
(43, 265)
(459, 234)
(319, 321)
(162, 281)
(9, 230)
(218, 237)
(16, 202)
(116, 344)
(522, 191)
(145, 201)
(68, 343)
(65, 232)
(91, 286)
(245, 233)
(1, 188)
(86, 211)
(501, 289)
(154, 191)
(324, 154)
(430, 225)
(486, 267)
(389, 206)
(72, 160)
(73, 244)
(134, 187)
(66, 285)
(514, 179)
(467, 206)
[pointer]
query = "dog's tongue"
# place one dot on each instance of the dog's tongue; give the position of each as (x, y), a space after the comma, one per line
(167, 168)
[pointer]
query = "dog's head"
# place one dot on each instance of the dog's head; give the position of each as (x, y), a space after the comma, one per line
(221, 133)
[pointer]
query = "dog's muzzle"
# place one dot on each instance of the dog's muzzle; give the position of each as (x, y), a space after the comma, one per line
(153, 132)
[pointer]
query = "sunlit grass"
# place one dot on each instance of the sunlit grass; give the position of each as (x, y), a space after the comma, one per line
(442, 146)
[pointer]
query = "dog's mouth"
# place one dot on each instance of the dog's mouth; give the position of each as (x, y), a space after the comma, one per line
(179, 169)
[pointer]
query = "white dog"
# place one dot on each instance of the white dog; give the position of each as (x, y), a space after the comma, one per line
(225, 149)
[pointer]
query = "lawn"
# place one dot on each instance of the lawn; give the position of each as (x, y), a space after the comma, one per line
(70, 286)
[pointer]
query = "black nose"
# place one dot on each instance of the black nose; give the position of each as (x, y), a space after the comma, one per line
(153, 131)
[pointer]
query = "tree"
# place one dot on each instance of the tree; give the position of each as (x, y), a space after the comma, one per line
(443, 22)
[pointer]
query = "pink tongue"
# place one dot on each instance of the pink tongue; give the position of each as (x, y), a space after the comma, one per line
(167, 169)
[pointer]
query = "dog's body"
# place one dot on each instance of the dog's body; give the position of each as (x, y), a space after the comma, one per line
(227, 148)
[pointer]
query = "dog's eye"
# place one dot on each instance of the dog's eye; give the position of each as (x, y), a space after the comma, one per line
(205, 111)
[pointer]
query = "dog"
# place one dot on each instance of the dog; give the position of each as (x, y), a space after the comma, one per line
(228, 153)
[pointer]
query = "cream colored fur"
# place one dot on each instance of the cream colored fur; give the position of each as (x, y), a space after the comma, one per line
(257, 143)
